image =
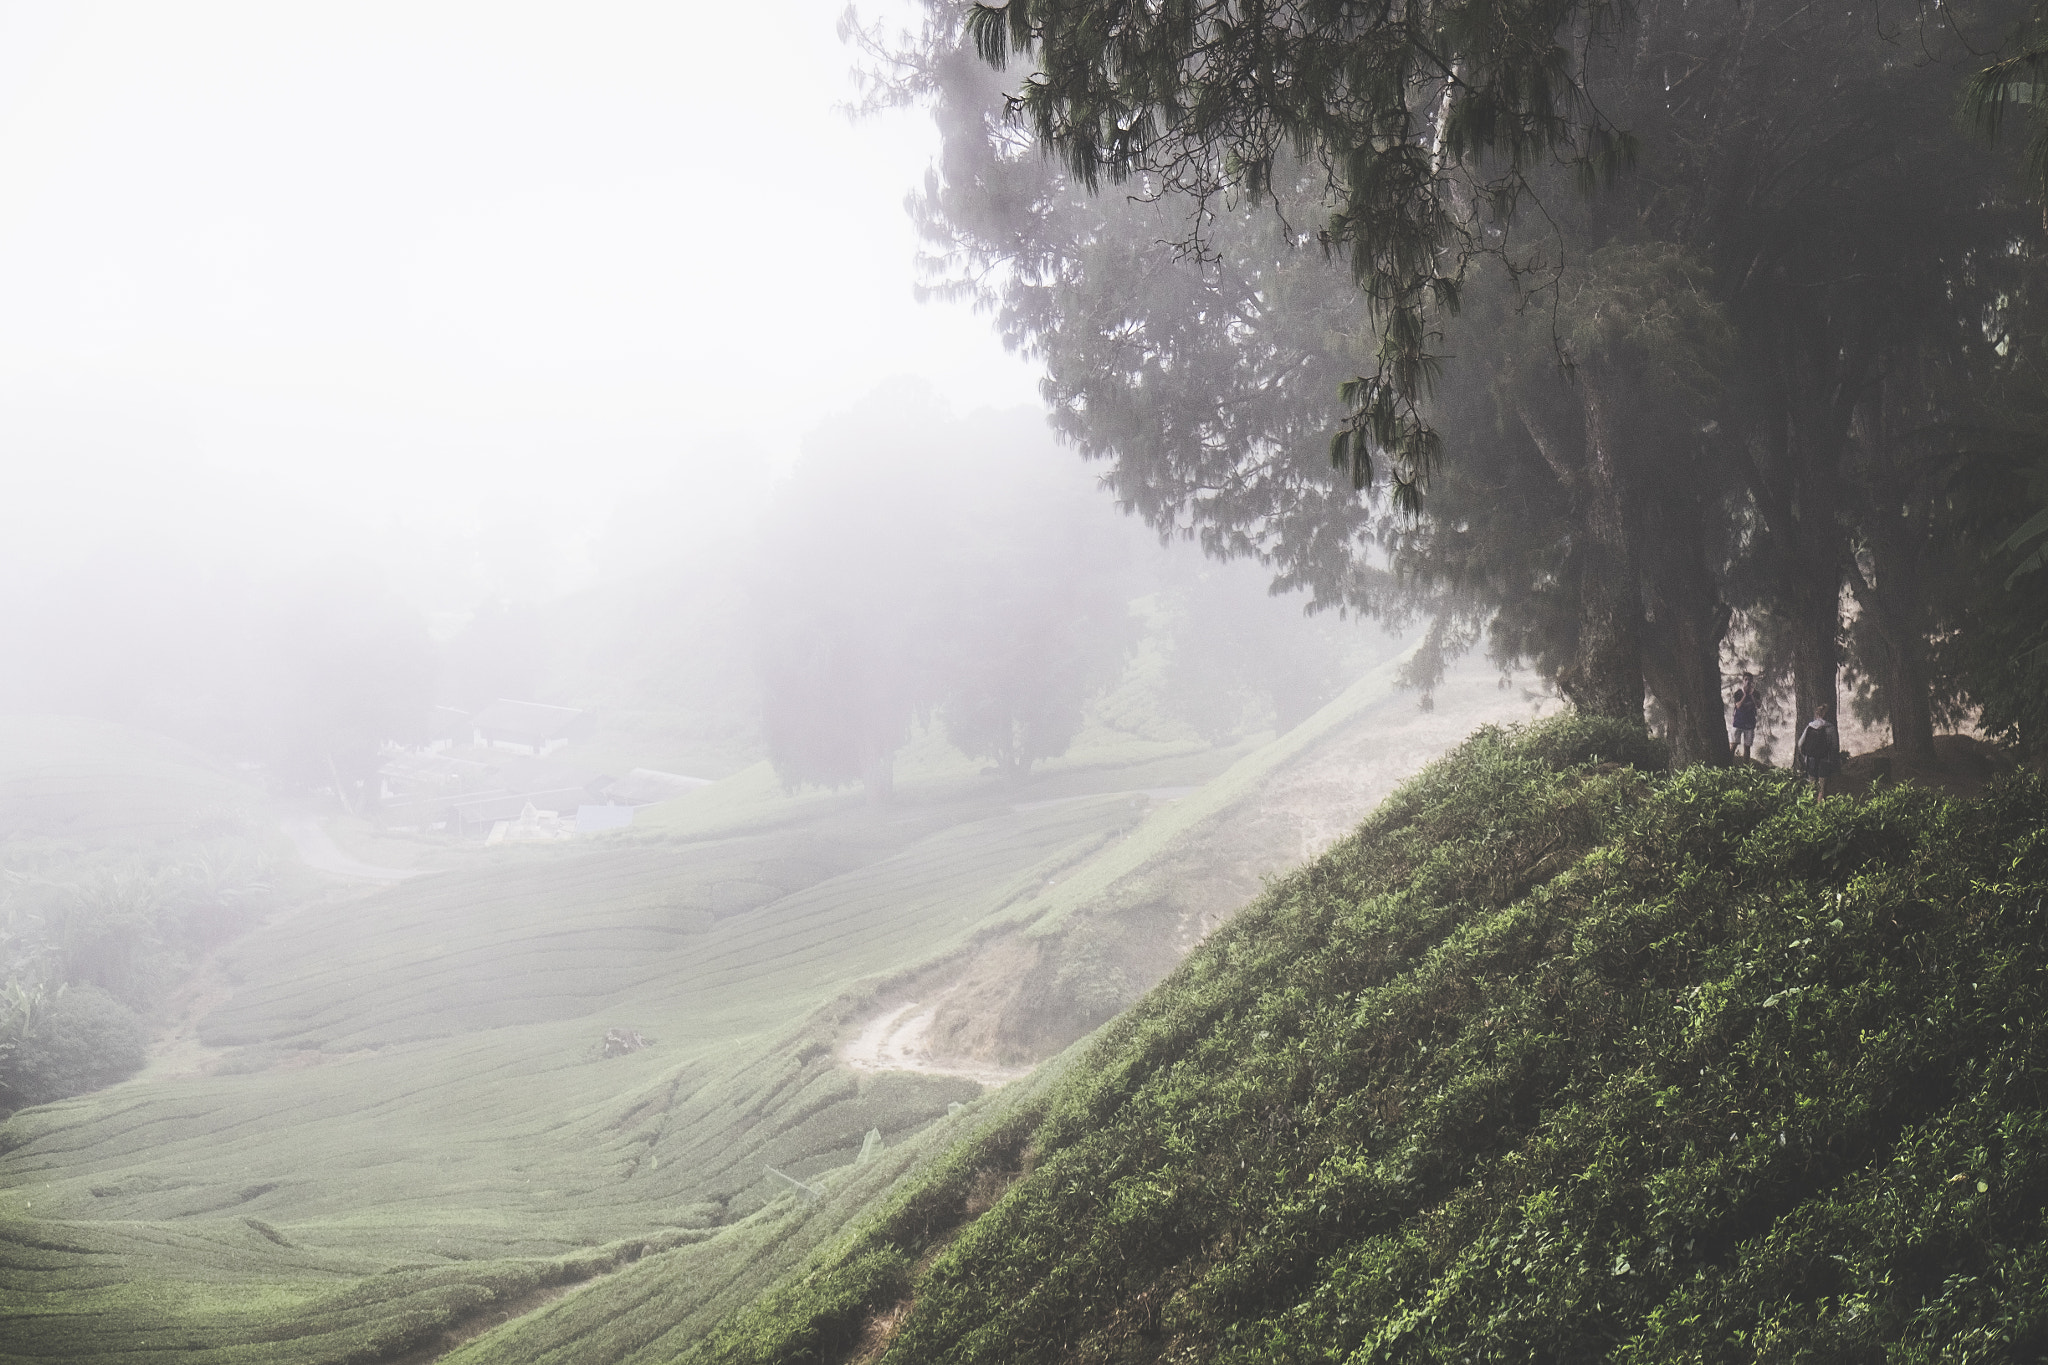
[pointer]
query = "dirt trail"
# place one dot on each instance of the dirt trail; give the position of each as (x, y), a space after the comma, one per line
(999, 1007)
(898, 1039)
(321, 853)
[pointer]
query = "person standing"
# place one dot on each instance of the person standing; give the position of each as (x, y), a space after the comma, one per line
(1820, 750)
(1743, 722)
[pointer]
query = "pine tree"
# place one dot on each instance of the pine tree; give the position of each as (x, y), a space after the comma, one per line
(1686, 232)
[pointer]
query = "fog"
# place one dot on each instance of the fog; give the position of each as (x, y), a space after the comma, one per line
(513, 608)
(397, 282)
(356, 360)
(636, 715)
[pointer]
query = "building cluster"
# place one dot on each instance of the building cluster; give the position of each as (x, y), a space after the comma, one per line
(500, 776)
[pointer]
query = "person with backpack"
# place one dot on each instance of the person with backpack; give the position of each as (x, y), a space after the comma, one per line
(1743, 722)
(1820, 750)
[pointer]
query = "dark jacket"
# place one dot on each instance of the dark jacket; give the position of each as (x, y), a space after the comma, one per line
(1745, 709)
(1820, 749)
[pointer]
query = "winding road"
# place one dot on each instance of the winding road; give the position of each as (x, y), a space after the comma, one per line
(322, 855)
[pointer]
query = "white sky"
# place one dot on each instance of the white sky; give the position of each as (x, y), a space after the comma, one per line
(276, 277)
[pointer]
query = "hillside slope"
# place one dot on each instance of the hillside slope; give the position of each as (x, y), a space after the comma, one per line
(407, 1117)
(74, 779)
(652, 1309)
(1554, 1058)
(1084, 949)
(392, 1125)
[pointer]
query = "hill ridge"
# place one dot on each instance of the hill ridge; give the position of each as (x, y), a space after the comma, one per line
(1559, 1056)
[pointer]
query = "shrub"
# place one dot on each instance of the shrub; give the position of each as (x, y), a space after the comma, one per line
(1570, 740)
(83, 1039)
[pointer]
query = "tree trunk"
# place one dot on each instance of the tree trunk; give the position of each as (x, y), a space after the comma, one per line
(1682, 657)
(1912, 715)
(1818, 553)
(1606, 676)
(1684, 616)
(1888, 601)
(1890, 577)
(1807, 379)
(1815, 651)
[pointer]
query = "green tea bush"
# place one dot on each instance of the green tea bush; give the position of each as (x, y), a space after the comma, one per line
(1553, 1059)
(1570, 740)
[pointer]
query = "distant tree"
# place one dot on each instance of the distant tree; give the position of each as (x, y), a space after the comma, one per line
(349, 666)
(67, 1042)
(1018, 688)
(1243, 660)
(91, 939)
(846, 600)
(1036, 625)
(920, 565)
(843, 676)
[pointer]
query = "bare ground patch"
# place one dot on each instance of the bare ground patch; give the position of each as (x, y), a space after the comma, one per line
(1002, 1009)
(900, 1038)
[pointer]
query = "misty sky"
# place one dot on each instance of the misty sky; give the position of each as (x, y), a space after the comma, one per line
(276, 278)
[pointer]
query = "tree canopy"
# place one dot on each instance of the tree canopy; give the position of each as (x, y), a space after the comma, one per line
(923, 566)
(1681, 322)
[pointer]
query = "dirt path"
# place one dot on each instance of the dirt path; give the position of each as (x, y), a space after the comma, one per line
(989, 1004)
(897, 1040)
(322, 854)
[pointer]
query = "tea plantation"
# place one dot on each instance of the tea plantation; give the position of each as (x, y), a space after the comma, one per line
(1559, 1057)
(68, 778)
(405, 1130)
(414, 1119)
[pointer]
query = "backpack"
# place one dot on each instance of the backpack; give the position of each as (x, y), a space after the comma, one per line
(1815, 745)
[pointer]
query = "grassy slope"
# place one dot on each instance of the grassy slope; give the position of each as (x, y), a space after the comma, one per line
(406, 1129)
(451, 1118)
(1092, 944)
(659, 1307)
(670, 1299)
(74, 780)
(1551, 1060)
(1201, 812)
